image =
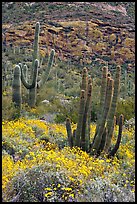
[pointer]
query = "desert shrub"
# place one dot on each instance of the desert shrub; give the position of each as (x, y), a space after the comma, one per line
(67, 107)
(8, 109)
(45, 169)
(60, 118)
(102, 190)
(45, 108)
(40, 184)
(126, 107)
(72, 91)
(130, 123)
(47, 92)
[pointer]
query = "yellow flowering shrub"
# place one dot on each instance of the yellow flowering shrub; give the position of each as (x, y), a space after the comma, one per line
(77, 166)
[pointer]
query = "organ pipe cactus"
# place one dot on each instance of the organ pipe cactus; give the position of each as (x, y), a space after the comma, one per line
(112, 111)
(98, 138)
(106, 122)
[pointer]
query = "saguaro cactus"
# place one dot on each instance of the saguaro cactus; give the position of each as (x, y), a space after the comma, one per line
(105, 124)
(46, 71)
(16, 89)
(35, 55)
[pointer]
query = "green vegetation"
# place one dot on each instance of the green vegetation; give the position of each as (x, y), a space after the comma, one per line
(68, 102)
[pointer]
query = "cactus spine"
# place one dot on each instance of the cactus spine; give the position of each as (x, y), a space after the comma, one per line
(105, 124)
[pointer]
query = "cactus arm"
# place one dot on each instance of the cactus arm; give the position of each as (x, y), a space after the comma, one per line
(69, 132)
(16, 91)
(116, 147)
(80, 118)
(16, 87)
(36, 45)
(102, 97)
(35, 73)
(25, 70)
(84, 134)
(113, 109)
(35, 55)
(46, 72)
(88, 121)
(103, 140)
(82, 106)
(108, 100)
(84, 85)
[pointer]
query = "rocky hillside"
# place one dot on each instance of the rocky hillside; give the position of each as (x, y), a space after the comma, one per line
(78, 31)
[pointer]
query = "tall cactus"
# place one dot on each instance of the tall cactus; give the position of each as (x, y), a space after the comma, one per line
(35, 55)
(105, 124)
(16, 89)
(46, 71)
(112, 111)
(34, 81)
(85, 133)
(81, 138)
(107, 104)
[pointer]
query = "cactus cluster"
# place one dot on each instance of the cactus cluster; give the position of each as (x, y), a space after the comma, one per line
(7, 73)
(106, 116)
(31, 82)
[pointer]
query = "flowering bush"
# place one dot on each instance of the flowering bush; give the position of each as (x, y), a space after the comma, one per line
(42, 168)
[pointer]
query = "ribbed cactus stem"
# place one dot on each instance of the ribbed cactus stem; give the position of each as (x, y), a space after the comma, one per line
(84, 136)
(111, 114)
(108, 100)
(32, 91)
(89, 119)
(46, 72)
(16, 88)
(80, 118)
(103, 140)
(116, 147)
(36, 44)
(102, 96)
(25, 70)
(84, 85)
(20, 64)
(69, 132)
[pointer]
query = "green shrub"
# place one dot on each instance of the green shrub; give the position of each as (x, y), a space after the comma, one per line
(126, 107)
(8, 109)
